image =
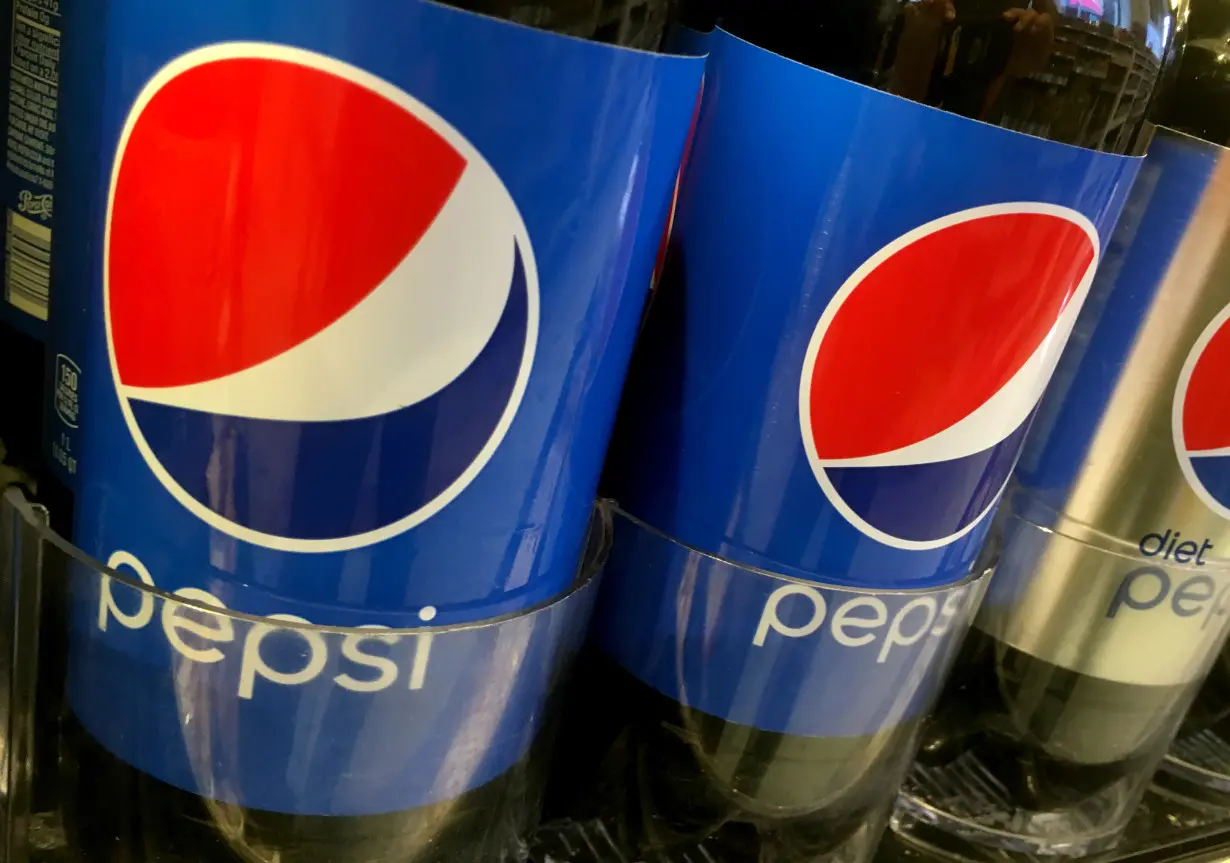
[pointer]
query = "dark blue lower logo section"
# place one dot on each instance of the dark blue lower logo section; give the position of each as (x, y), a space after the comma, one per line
(1213, 471)
(325, 480)
(888, 498)
(772, 653)
(350, 722)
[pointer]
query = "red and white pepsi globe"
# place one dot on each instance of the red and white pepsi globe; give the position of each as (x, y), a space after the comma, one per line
(896, 394)
(302, 259)
(1201, 417)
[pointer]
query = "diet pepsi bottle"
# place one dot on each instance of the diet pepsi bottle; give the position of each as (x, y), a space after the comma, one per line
(354, 287)
(1199, 88)
(888, 225)
(1076, 674)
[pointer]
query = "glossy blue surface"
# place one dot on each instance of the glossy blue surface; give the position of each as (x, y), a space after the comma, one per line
(586, 139)
(797, 180)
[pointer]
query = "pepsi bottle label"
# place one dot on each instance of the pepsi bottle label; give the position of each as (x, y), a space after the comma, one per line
(374, 375)
(359, 285)
(869, 298)
(1151, 615)
(275, 715)
(33, 80)
(772, 653)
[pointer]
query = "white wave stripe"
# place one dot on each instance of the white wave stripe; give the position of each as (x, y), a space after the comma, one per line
(999, 416)
(407, 340)
(1221, 452)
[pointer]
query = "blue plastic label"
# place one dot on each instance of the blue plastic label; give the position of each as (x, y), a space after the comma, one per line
(349, 293)
(868, 298)
(778, 655)
(371, 346)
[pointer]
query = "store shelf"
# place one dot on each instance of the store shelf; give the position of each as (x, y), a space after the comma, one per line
(1165, 829)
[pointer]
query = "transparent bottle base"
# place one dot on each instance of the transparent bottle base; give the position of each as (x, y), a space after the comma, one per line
(946, 808)
(1058, 712)
(178, 730)
(711, 714)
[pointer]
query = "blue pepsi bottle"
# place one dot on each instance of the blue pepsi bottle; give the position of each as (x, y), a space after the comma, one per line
(352, 288)
(1199, 84)
(887, 225)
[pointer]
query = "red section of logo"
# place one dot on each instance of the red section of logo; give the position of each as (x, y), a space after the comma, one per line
(257, 202)
(1206, 405)
(940, 326)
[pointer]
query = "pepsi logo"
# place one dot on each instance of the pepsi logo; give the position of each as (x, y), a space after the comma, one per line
(1200, 421)
(321, 300)
(926, 366)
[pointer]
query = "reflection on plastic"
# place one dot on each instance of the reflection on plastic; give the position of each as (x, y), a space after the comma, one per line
(769, 652)
(363, 721)
(737, 704)
(1056, 714)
